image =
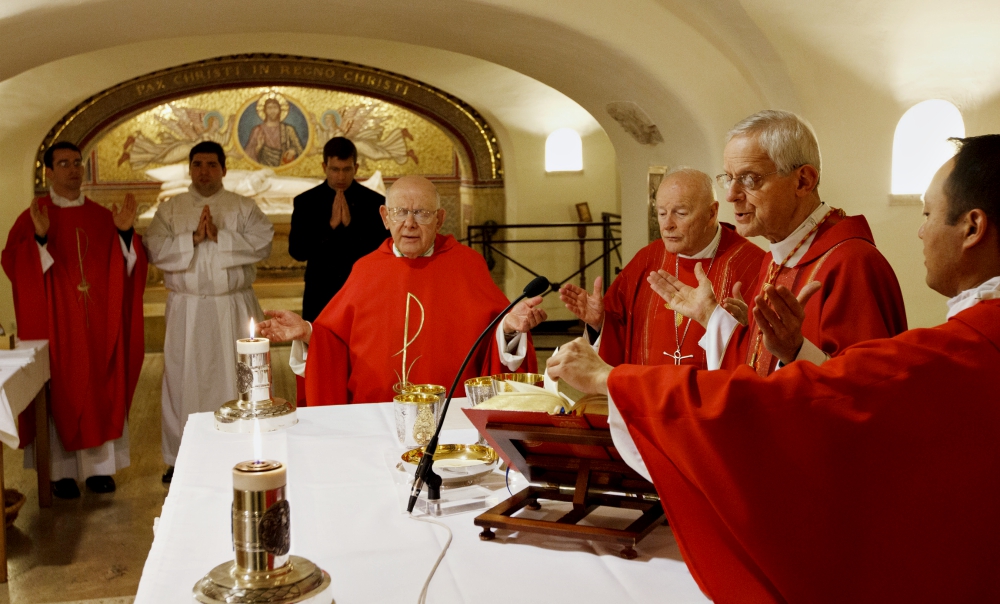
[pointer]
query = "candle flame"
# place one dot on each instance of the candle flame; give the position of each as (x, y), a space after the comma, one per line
(253, 330)
(258, 446)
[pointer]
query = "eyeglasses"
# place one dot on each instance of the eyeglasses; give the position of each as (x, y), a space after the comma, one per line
(65, 163)
(420, 216)
(749, 181)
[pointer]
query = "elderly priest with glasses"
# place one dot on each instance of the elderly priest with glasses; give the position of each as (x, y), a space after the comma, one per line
(409, 312)
(823, 265)
(869, 478)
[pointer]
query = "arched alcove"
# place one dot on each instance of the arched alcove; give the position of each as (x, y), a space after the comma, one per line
(920, 144)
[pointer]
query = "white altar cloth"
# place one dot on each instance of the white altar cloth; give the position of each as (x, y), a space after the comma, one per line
(23, 372)
(346, 518)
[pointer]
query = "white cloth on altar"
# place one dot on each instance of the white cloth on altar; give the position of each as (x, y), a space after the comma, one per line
(103, 460)
(210, 301)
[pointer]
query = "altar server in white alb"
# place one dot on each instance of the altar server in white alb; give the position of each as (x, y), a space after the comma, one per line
(206, 242)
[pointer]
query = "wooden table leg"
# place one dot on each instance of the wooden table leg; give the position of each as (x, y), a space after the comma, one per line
(3, 529)
(42, 452)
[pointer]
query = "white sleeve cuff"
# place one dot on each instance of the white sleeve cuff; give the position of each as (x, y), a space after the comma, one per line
(297, 357)
(129, 253)
(718, 332)
(47, 260)
(511, 353)
(812, 353)
(623, 441)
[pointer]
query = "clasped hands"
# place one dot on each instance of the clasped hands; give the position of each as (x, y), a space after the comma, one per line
(206, 228)
(340, 214)
(778, 312)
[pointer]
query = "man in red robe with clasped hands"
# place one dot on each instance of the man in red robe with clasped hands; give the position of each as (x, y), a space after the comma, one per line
(631, 323)
(772, 174)
(869, 478)
(409, 312)
(78, 272)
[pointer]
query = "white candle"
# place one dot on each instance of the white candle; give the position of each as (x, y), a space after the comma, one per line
(253, 346)
(258, 476)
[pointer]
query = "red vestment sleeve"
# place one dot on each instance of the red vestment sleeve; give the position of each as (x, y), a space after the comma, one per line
(326, 378)
(817, 484)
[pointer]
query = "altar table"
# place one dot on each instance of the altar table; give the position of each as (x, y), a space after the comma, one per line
(347, 517)
(24, 374)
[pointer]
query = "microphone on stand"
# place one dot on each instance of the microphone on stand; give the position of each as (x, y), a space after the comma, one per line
(425, 472)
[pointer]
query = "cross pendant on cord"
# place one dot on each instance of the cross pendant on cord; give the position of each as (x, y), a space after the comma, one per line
(677, 356)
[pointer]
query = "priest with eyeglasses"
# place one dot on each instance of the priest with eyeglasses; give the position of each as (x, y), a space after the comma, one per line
(408, 313)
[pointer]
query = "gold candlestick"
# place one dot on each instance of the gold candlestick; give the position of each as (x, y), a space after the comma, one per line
(263, 572)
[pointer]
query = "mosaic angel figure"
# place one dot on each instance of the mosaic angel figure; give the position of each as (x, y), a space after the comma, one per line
(366, 132)
(184, 128)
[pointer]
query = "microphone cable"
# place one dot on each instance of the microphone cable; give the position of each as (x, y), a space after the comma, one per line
(423, 592)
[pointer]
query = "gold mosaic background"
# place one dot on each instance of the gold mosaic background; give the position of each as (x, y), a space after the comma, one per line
(403, 141)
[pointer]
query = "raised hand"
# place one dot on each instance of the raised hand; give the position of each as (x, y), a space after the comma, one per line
(524, 316)
(589, 308)
(40, 218)
(736, 305)
(779, 313)
(285, 325)
(697, 304)
(579, 365)
(124, 216)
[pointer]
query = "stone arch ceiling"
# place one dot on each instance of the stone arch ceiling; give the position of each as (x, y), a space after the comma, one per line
(594, 52)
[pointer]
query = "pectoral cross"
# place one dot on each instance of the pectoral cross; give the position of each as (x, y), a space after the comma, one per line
(677, 357)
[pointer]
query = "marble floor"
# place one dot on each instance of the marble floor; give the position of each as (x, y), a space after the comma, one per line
(91, 550)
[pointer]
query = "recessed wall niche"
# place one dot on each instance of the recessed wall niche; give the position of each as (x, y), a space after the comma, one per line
(136, 136)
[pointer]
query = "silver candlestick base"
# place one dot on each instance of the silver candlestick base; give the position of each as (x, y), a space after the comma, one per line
(239, 416)
(297, 581)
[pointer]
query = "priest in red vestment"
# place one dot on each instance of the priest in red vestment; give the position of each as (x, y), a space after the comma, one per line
(409, 312)
(631, 323)
(869, 478)
(772, 164)
(78, 272)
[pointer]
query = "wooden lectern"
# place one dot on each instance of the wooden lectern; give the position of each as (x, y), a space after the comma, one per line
(568, 458)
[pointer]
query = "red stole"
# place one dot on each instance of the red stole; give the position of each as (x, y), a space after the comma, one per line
(639, 329)
(88, 310)
(860, 298)
(817, 484)
(354, 351)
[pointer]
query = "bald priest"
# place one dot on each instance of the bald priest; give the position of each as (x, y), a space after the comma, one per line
(409, 312)
(869, 478)
(632, 324)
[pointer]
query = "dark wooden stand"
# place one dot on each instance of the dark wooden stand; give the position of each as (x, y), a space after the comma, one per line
(586, 483)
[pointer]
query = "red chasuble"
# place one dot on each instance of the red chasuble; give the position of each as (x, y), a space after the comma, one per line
(872, 478)
(355, 352)
(89, 310)
(639, 329)
(860, 298)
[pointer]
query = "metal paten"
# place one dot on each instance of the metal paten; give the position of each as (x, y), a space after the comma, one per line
(263, 572)
(253, 383)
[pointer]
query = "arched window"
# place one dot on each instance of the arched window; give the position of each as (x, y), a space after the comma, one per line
(564, 151)
(921, 144)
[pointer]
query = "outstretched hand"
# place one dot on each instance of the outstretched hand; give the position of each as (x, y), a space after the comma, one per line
(589, 308)
(737, 306)
(780, 314)
(124, 216)
(697, 304)
(579, 365)
(40, 218)
(525, 316)
(284, 326)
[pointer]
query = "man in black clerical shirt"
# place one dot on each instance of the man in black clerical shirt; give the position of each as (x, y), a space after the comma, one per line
(333, 225)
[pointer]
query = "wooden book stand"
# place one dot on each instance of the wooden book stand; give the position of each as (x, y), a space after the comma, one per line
(573, 464)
